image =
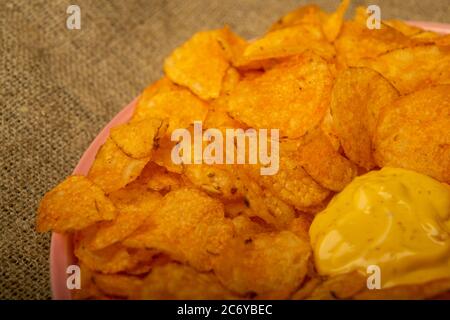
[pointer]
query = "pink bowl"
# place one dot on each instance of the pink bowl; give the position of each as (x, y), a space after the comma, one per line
(61, 253)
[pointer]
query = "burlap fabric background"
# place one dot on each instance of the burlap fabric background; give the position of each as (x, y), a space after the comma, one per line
(60, 87)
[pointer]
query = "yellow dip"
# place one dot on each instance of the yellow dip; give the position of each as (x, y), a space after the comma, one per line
(394, 218)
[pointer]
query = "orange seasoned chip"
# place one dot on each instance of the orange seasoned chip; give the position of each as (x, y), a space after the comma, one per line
(326, 166)
(174, 104)
(406, 29)
(179, 282)
(289, 41)
(263, 265)
(199, 64)
(137, 139)
(162, 155)
(411, 69)
(292, 96)
(117, 285)
(343, 286)
(135, 204)
(358, 96)
(158, 178)
(189, 225)
(74, 204)
(113, 169)
(333, 22)
(414, 133)
(310, 14)
(246, 226)
(356, 41)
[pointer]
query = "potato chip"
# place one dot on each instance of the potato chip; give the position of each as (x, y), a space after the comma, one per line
(74, 204)
(158, 178)
(292, 97)
(407, 292)
(199, 64)
(326, 166)
(88, 289)
(290, 41)
(292, 184)
(332, 23)
(180, 282)
(327, 127)
(282, 212)
(300, 226)
(112, 259)
(135, 204)
(113, 169)
(246, 226)
(406, 29)
(309, 14)
(344, 286)
(264, 265)
(356, 41)
(414, 133)
(189, 225)
(119, 286)
(162, 155)
(306, 289)
(357, 98)
(137, 139)
(177, 105)
(411, 69)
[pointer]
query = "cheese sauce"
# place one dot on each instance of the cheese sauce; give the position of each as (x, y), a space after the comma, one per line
(394, 218)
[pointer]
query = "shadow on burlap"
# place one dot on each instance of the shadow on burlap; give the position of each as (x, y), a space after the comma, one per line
(58, 88)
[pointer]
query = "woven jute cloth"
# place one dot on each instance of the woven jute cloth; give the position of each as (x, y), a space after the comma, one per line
(59, 87)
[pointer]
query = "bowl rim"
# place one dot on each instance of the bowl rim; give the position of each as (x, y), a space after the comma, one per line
(62, 243)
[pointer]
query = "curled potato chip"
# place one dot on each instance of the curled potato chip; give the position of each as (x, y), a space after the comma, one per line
(263, 265)
(356, 41)
(113, 169)
(74, 204)
(174, 104)
(158, 178)
(332, 23)
(179, 282)
(411, 69)
(189, 225)
(295, 94)
(117, 285)
(290, 41)
(136, 139)
(326, 166)
(135, 204)
(414, 133)
(357, 98)
(200, 64)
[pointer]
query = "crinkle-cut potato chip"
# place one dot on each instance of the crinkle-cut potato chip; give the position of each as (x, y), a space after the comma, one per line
(118, 285)
(356, 41)
(357, 98)
(428, 290)
(326, 166)
(291, 184)
(136, 139)
(406, 29)
(112, 259)
(180, 282)
(414, 134)
(189, 225)
(290, 41)
(342, 286)
(411, 69)
(74, 204)
(158, 178)
(333, 22)
(113, 169)
(263, 265)
(135, 204)
(176, 105)
(200, 63)
(310, 14)
(292, 96)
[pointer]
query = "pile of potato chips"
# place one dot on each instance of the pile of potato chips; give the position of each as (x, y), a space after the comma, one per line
(347, 99)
